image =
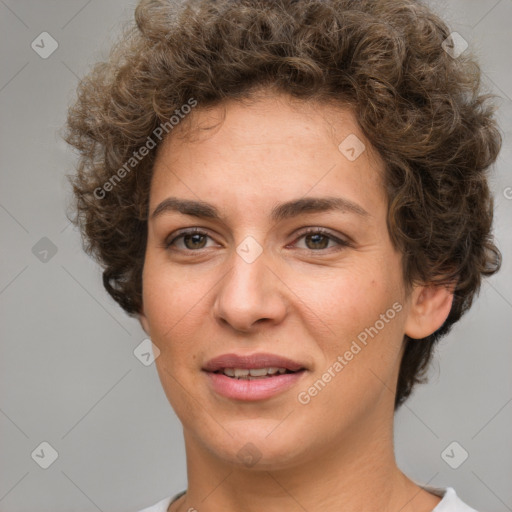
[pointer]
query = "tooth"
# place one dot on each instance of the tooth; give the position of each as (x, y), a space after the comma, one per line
(253, 372)
(258, 372)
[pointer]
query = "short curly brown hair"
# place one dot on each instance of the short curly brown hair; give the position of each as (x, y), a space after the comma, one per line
(418, 105)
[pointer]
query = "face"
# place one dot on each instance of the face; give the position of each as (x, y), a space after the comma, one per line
(257, 282)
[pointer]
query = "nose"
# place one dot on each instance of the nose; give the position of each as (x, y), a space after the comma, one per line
(250, 295)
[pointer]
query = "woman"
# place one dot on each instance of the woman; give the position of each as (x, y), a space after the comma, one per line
(292, 198)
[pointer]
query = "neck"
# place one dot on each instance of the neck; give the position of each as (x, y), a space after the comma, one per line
(358, 471)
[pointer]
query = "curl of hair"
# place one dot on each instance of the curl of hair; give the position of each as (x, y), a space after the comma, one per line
(419, 107)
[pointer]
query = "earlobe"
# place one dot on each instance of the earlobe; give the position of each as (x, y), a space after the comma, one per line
(430, 306)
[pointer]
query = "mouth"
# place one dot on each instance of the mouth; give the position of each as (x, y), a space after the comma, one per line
(252, 377)
(254, 365)
(254, 373)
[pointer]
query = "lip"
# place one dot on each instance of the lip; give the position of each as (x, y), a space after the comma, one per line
(261, 360)
(257, 389)
(248, 390)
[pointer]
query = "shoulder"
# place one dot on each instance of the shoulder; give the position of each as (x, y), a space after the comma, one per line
(450, 502)
(162, 505)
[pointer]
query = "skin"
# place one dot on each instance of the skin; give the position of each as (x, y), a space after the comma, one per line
(202, 300)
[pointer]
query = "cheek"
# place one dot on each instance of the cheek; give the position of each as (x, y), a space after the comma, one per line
(359, 320)
(175, 311)
(359, 355)
(172, 300)
(351, 300)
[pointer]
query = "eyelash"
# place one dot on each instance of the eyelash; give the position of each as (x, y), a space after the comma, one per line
(197, 231)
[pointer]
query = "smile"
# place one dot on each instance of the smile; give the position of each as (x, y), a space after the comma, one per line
(252, 387)
(253, 373)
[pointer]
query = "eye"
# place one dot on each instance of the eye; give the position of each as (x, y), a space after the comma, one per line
(318, 239)
(192, 239)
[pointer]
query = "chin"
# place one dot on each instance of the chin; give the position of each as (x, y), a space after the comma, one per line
(257, 445)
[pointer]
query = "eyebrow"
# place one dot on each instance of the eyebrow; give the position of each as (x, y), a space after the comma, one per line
(279, 212)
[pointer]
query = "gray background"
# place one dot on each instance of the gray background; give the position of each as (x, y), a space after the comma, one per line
(68, 373)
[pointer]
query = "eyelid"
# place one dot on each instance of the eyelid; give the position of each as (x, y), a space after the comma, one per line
(183, 232)
(341, 241)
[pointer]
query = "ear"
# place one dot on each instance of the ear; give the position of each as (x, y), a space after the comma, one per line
(144, 321)
(430, 306)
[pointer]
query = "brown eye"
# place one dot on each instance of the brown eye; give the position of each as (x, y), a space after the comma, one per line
(192, 240)
(317, 240)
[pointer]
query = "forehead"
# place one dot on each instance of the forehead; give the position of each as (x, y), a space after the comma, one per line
(272, 146)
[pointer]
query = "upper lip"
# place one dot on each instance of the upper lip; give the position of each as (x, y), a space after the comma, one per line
(261, 360)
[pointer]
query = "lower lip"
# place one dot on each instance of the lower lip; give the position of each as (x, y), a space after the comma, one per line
(257, 389)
